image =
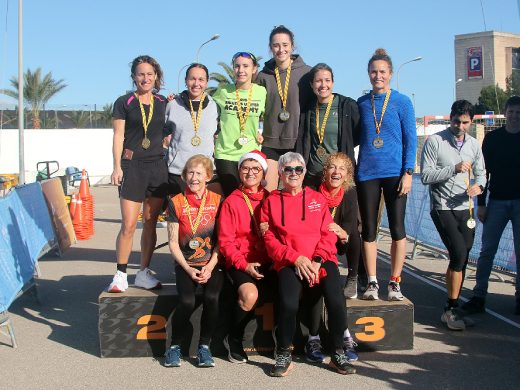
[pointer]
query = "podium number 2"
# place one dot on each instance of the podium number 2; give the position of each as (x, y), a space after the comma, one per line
(373, 330)
(154, 329)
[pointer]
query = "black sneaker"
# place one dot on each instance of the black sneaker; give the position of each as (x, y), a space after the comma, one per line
(236, 353)
(283, 363)
(473, 306)
(340, 363)
(350, 290)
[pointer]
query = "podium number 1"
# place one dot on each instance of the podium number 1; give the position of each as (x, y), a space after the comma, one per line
(374, 329)
(154, 329)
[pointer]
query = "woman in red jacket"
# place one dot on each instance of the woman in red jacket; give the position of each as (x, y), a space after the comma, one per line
(303, 250)
(241, 244)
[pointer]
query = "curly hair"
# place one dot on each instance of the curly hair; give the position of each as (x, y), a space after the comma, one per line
(342, 158)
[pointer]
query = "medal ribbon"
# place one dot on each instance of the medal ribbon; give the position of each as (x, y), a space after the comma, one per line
(321, 131)
(378, 124)
(241, 116)
(199, 213)
(468, 183)
(283, 96)
(196, 119)
(334, 212)
(143, 114)
(251, 211)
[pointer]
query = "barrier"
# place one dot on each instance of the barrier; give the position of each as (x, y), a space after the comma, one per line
(26, 233)
(419, 227)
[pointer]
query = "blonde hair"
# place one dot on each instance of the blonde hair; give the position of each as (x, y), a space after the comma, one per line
(197, 159)
(342, 158)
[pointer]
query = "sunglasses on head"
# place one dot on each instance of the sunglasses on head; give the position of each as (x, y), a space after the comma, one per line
(244, 54)
(298, 170)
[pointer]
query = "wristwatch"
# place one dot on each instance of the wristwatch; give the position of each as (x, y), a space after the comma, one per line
(317, 259)
(409, 171)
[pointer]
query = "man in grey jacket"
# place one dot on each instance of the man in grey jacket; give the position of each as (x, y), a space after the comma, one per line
(448, 160)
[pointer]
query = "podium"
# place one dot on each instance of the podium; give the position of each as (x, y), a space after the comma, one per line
(136, 323)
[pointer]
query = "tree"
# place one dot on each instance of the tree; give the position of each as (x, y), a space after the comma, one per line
(37, 91)
(513, 83)
(79, 119)
(105, 116)
(227, 77)
(488, 98)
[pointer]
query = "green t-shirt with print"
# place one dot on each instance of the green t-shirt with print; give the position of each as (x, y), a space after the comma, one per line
(227, 146)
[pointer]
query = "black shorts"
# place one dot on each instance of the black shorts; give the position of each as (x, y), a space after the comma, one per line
(143, 179)
(274, 154)
(268, 285)
(455, 234)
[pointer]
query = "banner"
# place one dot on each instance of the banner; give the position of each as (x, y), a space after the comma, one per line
(26, 233)
(474, 62)
(419, 226)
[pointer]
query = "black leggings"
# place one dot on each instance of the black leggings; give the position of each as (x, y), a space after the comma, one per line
(353, 254)
(456, 235)
(291, 286)
(369, 195)
(227, 175)
(210, 308)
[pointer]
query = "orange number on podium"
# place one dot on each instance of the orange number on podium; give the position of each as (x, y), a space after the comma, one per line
(374, 329)
(153, 323)
(266, 312)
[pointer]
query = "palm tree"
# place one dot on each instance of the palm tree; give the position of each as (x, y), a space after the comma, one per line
(79, 119)
(227, 77)
(37, 91)
(105, 116)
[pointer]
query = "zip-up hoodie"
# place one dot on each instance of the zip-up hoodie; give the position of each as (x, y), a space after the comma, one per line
(298, 226)
(237, 235)
(278, 134)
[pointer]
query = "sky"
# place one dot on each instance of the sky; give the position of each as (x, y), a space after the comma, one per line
(89, 44)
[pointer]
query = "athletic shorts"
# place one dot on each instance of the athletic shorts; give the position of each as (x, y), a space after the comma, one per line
(143, 179)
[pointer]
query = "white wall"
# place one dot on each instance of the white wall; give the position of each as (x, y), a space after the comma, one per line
(89, 149)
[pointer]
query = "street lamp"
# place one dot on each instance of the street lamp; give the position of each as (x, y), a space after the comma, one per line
(455, 89)
(404, 63)
(214, 37)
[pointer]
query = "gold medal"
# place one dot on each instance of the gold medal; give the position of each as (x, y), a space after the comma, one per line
(196, 140)
(243, 140)
(378, 142)
(471, 223)
(284, 115)
(242, 117)
(321, 152)
(146, 122)
(320, 130)
(194, 244)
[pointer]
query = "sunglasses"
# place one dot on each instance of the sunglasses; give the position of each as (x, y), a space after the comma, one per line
(244, 54)
(290, 170)
(255, 170)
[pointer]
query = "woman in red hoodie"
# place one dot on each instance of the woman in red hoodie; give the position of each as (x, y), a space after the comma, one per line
(303, 250)
(242, 245)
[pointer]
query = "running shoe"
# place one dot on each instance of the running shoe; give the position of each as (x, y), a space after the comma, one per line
(451, 318)
(146, 280)
(394, 292)
(372, 292)
(350, 290)
(236, 353)
(204, 357)
(283, 363)
(474, 305)
(313, 351)
(119, 283)
(173, 356)
(340, 363)
(349, 348)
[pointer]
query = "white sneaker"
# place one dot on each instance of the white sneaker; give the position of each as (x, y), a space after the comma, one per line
(146, 280)
(119, 283)
(453, 320)
(394, 292)
(372, 292)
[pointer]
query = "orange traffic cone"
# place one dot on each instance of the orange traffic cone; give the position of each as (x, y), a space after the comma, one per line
(84, 191)
(78, 222)
(73, 204)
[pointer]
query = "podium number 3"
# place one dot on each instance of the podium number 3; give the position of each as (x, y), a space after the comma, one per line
(154, 329)
(374, 329)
